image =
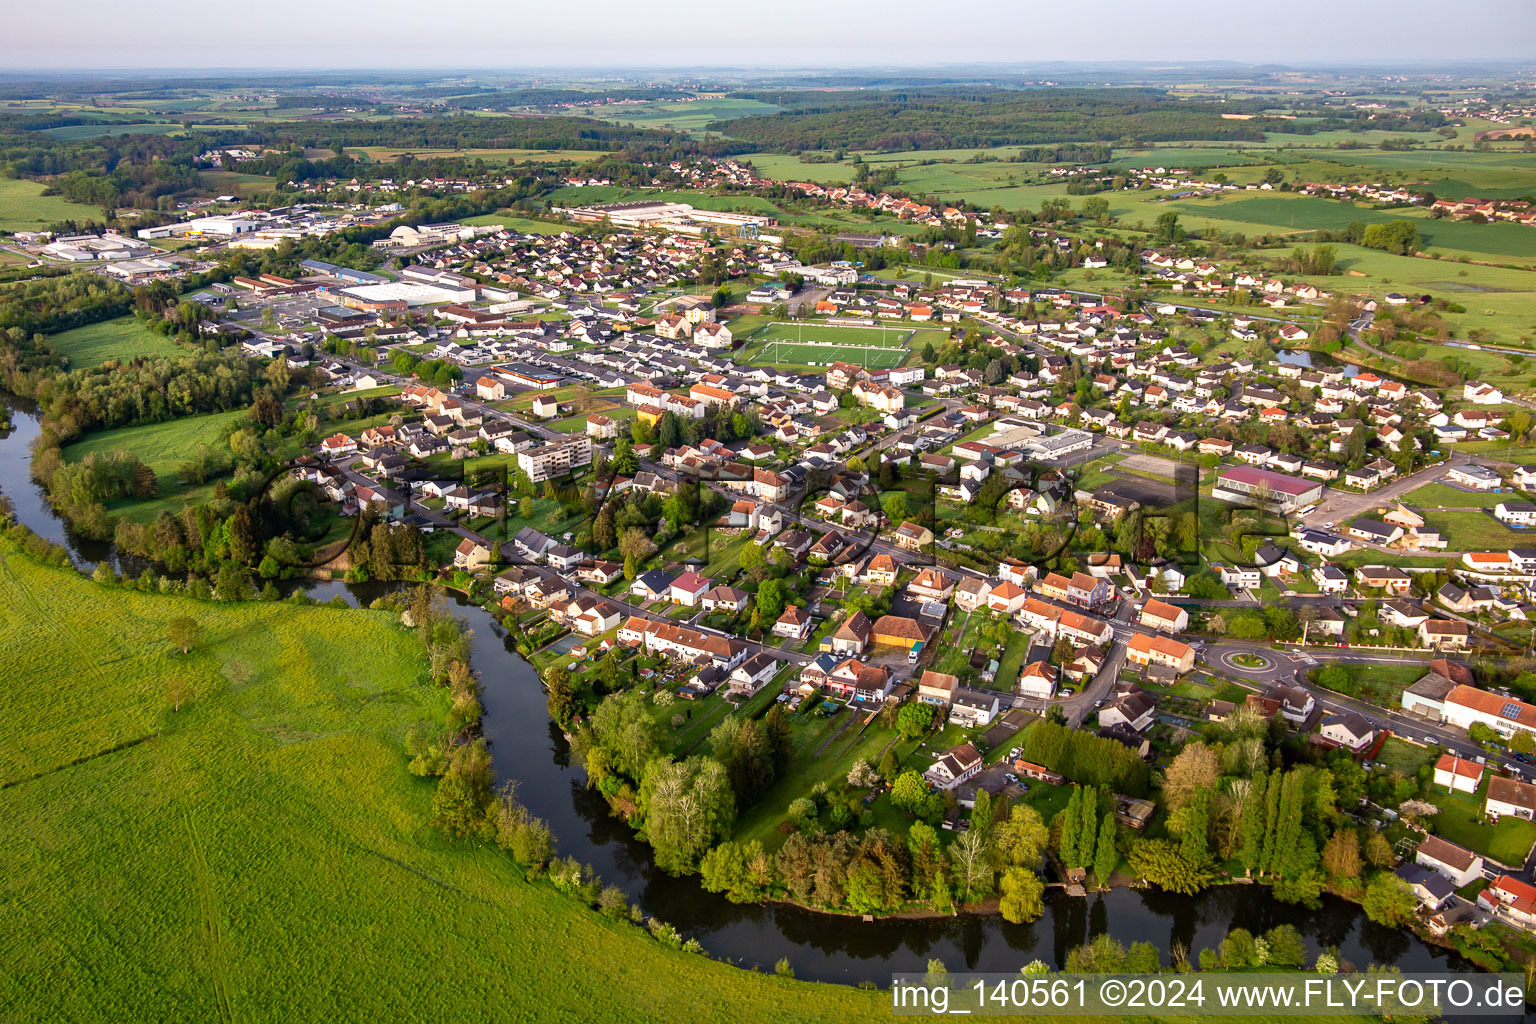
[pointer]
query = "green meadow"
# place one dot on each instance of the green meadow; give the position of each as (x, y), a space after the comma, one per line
(261, 853)
(125, 338)
(23, 207)
(164, 447)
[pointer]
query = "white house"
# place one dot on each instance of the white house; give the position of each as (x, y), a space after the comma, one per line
(1457, 774)
(1460, 866)
(954, 766)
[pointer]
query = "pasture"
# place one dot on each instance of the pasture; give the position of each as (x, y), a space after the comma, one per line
(260, 850)
(164, 448)
(125, 338)
(23, 207)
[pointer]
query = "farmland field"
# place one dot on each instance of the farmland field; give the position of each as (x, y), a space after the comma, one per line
(261, 851)
(236, 184)
(687, 115)
(23, 207)
(79, 132)
(498, 156)
(124, 338)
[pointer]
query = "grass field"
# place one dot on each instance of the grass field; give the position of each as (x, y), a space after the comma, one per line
(262, 852)
(817, 344)
(1508, 842)
(163, 447)
(512, 222)
(80, 132)
(23, 207)
(1472, 530)
(124, 338)
(1438, 495)
(236, 184)
(780, 353)
(881, 337)
(686, 115)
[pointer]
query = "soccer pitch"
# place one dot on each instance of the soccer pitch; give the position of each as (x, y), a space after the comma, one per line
(876, 347)
(789, 353)
(874, 336)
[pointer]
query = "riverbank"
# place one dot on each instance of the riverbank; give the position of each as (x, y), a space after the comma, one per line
(264, 838)
(528, 750)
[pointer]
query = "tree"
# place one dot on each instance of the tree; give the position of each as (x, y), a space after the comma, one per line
(1022, 895)
(1070, 846)
(1022, 837)
(458, 803)
(1378, 852)
(1168, 231)
(909, 792)
(1160, 862)
(889, 766)
(740, 870)
(184, 632)
(1341, 855)
(913, 721)
(687, 805)
(177, 692)
(1196, 767)
(772, 596)
(1388, 900)
(1105, 856)
(973, 869)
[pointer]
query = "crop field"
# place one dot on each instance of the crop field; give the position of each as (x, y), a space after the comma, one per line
(80, 132)
(495, 156)
(23, 207)
(262, 852)
(685, 115)
(124, 338)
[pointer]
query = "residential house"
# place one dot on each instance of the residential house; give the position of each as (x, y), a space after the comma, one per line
(954, 766)
(1349, 730)
(1457, 774)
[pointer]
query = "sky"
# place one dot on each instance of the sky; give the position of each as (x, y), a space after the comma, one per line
(92, 35)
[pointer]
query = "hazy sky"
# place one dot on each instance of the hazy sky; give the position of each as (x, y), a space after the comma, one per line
(85, 35)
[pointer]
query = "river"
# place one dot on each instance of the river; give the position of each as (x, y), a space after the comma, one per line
(529, 749)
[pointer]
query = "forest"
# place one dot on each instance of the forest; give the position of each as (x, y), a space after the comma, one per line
(940, 120)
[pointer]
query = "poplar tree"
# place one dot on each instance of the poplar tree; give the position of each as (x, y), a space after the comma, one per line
(1105, 856)
(1251, 825)
(1071, 824)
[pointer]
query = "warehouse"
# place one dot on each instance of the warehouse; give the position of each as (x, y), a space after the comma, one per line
(1247, 485)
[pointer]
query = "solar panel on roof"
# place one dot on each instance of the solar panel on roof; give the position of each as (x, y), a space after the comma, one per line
(1511, 711)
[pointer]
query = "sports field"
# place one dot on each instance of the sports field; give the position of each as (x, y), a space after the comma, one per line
(836, 334)
(788, 353)
(877, 347)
